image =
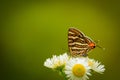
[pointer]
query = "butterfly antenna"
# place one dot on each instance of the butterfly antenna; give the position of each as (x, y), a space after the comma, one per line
(96, 41)
(100, 47)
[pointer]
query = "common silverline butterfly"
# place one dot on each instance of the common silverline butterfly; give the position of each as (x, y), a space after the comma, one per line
(79, 44)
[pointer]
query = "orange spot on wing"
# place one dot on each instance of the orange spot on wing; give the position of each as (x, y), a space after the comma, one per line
(91, 44)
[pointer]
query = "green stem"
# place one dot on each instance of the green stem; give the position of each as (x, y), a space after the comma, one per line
(63, 74)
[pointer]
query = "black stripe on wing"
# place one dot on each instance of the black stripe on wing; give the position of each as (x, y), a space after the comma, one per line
(75, 32)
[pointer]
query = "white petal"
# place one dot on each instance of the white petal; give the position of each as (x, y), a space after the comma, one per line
(71, 63)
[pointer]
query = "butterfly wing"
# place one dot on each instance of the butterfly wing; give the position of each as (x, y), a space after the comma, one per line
(77, 43)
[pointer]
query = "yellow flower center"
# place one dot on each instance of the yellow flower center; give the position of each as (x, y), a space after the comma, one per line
(78, 70)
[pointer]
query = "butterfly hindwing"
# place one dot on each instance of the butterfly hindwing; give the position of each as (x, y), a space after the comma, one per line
(77, 42)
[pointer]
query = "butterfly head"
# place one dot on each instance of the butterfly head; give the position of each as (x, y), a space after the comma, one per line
(92, 45)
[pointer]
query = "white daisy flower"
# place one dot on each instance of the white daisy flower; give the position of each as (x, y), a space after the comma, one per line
(56, 61)
(96, 66)
(77, 69)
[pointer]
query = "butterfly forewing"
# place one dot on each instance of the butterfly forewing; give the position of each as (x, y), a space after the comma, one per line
(77, 42)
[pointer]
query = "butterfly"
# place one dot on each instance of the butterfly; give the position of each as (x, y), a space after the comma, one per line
(79, 44)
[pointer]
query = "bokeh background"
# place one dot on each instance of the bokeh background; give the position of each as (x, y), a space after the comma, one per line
(32, 31)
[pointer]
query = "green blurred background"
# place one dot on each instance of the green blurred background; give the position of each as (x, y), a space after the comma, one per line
(32, 31)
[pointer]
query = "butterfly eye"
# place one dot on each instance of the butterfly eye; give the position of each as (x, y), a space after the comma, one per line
(94, 46)
(85, 55)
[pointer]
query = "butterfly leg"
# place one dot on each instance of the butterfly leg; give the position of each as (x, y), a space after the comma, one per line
(84, 54)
